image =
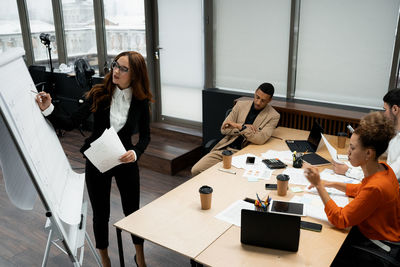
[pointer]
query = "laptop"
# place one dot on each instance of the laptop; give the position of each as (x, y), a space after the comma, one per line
(309, 145)
(270, 230)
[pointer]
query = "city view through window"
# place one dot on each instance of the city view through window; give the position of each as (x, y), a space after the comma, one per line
(124, 24)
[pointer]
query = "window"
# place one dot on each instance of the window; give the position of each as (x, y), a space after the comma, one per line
(345, 50)
(181, 58)
(10, 29)
(251, 44)
(41, 21)
(125, 27)
(80, 34)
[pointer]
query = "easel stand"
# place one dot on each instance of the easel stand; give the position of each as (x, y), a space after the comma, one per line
(54, 236)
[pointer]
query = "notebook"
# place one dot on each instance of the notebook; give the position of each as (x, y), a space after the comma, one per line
(315, 159)
(270, 230)
(309, 145)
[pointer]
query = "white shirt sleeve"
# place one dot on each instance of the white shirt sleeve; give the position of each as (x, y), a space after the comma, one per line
(48, 110)
(394, 155)
(355, 173)
(135, 155)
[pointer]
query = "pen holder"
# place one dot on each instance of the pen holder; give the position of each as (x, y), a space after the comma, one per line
(298, 160)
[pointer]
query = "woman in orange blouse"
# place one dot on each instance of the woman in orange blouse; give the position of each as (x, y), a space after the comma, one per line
(375, 211)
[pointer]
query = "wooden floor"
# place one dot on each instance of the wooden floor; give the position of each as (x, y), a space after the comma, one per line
(23, 238)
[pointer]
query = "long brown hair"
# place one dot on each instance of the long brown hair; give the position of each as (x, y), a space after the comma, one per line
(140, 84)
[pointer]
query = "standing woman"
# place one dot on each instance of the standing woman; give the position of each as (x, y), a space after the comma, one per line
(121, 101)
(374, 213)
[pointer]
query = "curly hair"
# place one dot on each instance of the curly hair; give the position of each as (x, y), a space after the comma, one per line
(375, 131)
(101, 94)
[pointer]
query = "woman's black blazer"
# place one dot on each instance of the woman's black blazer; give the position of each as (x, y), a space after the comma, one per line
(138, 120)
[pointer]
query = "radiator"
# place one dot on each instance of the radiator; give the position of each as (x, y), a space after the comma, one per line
(298, 120)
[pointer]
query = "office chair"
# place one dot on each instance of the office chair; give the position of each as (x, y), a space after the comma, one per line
(377, 253)
(212, 142)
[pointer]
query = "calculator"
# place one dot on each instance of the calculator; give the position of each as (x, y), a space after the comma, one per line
(274, 163)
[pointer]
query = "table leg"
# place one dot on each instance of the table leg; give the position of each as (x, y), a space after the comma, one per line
(194, 263)
(120, 248)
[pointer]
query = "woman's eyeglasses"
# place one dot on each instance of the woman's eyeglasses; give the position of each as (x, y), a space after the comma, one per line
(115, 65)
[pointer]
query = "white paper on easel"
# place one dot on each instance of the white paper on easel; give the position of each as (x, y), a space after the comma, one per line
(105, 151)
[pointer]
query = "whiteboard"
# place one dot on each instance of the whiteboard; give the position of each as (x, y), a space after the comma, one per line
(31, 155)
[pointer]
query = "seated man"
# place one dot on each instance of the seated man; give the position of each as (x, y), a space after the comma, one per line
(391, 104)
(249, 122)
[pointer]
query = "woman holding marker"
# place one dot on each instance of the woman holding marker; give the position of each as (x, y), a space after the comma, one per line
(121, 101)
(375, 211)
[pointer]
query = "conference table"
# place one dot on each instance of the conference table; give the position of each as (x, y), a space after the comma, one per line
(177, 222)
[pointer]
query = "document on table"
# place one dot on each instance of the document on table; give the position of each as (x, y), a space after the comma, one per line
(232, 214)
(254, 174)
(314, 206)
(330, 175)
(240, 162)
(105, 151)
(296, 176)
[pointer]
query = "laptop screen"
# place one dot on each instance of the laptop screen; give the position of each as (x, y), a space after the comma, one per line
(315, 135)
(270, 230)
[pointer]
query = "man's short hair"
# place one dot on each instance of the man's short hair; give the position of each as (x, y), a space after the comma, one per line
(267, 88)
(392, 97)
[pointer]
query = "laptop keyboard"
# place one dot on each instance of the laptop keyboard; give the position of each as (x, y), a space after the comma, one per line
(300, 147)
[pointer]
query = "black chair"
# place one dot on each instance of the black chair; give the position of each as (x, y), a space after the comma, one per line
(212, 142)
(379, 254)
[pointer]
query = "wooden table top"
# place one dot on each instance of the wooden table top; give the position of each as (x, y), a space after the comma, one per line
(176, 221)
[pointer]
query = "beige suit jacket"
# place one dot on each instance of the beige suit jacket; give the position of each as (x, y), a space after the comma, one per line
(265, 123)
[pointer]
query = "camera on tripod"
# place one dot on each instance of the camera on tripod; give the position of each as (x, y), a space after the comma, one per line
(45, 38)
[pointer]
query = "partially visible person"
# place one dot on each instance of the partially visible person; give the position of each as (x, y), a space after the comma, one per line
(249, 122)
(391, 104)
(374, 213)
(121, 102)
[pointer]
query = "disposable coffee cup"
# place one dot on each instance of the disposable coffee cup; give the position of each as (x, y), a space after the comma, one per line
(205, 197)
(341, 139)
(282, 181)
(227, 159)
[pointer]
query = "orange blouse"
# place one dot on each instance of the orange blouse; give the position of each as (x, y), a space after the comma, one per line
(375, 208)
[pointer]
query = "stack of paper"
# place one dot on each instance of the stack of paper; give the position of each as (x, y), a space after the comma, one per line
(104, 153)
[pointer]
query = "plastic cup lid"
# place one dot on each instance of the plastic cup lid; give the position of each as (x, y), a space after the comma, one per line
(205, 189)
(227, 152)
(282, 177)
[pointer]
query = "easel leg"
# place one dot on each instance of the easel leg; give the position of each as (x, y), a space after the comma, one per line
(120, 248)
(46, 252)
(96, 256)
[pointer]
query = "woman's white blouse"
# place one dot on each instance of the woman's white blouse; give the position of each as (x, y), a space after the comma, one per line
(120, 103)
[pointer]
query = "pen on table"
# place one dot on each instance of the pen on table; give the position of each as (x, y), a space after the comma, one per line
(276, 137)
(226, 170)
